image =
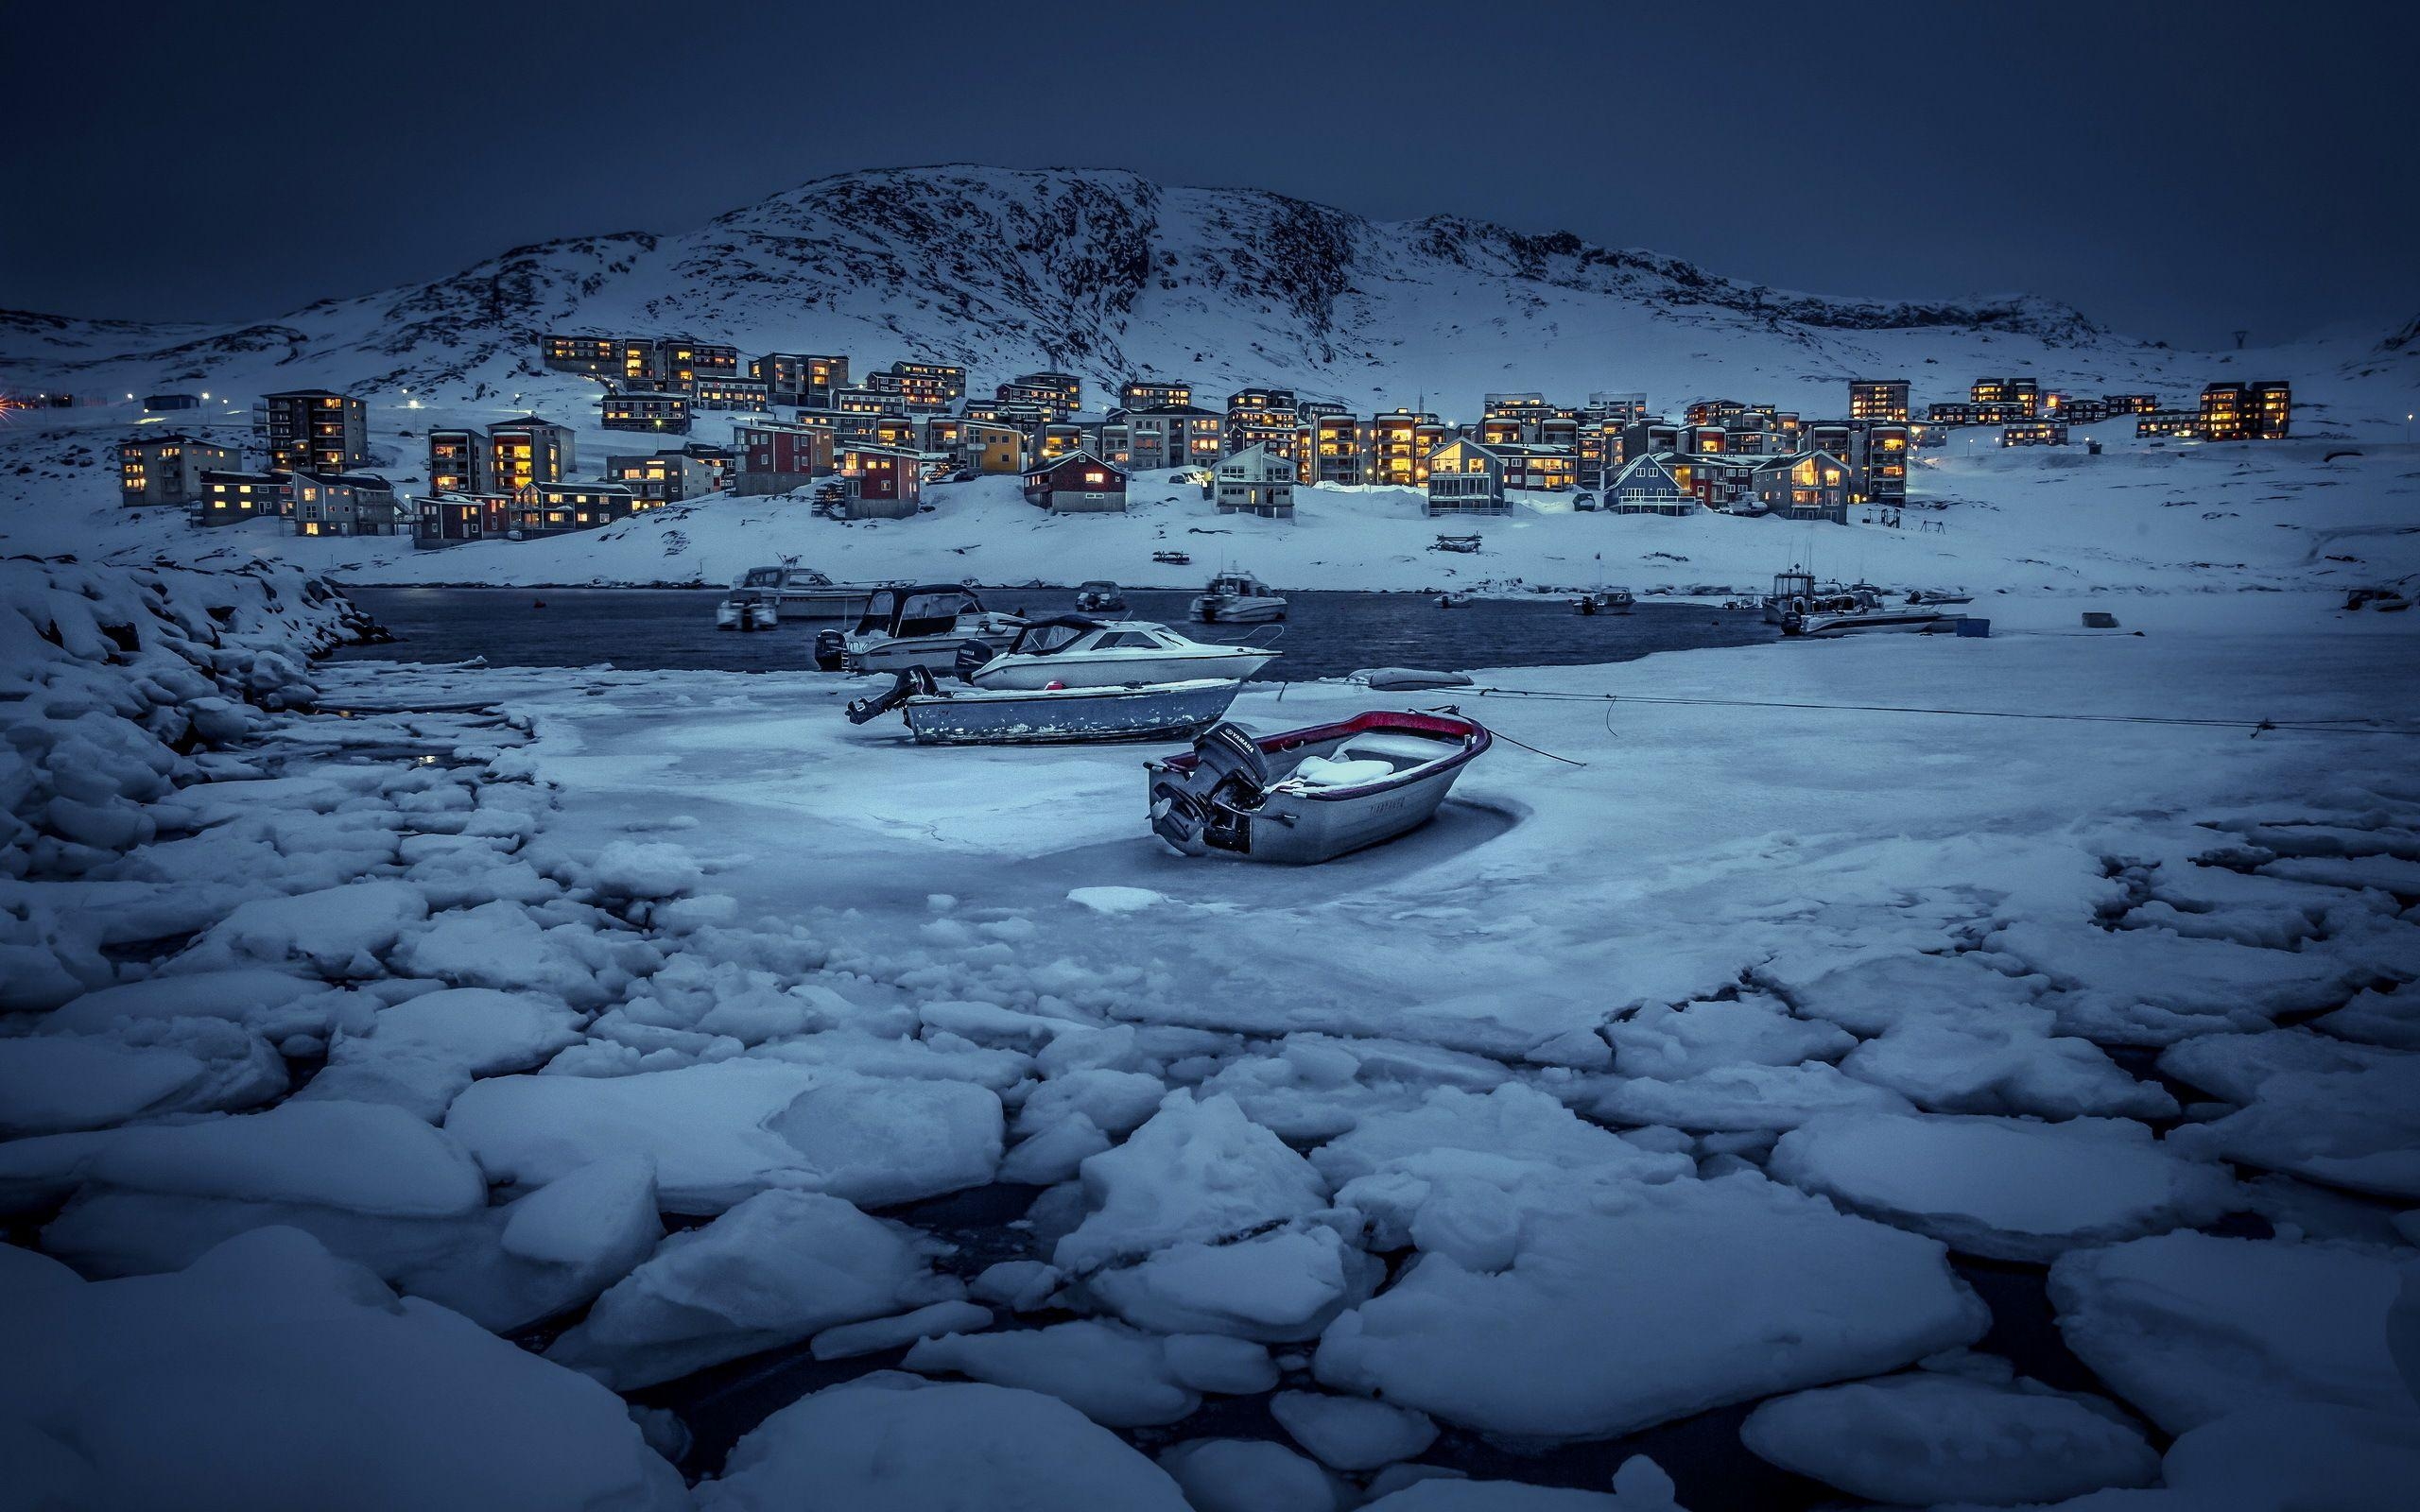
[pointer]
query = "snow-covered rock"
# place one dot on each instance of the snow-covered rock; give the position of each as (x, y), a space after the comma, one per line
(2191, 1327)
(1198, 1170)
(722, 1132)
(1117, 1376)
(1352, 1433)
(849, 1340)
(1647, 1303)
(2347, 1115)
(774, 1269)
(338, 932)
(1250, 1475)
(421, 1053)
(55, 1083)
(271, 1374)
(2009, 1189)
(906, 1445)
(1928, 1438)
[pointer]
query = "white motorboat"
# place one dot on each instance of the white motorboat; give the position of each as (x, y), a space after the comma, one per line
(1071, 651)
(1305, 796)
(747, 609)
(1237, 598)
(939, 715)
(1868, 619)
(914, 625)
(803, 593)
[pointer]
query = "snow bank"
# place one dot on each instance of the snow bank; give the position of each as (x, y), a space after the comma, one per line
(905, 1445)
(722, 1132)
(2009, 1189)
(270, 1374)
(55, 1083)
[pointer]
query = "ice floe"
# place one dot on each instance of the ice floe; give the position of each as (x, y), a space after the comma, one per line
(2009, 1189)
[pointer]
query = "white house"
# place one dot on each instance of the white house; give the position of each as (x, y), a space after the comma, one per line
(1256, 481)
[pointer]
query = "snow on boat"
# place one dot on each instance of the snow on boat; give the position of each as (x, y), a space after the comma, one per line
(914, 625)
(982, 716)
(803, 593)
(747, 609)
(1069, 650)
(1237, 598)
(1307, 795)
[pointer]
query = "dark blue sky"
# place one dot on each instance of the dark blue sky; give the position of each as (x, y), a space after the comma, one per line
(2175, 170)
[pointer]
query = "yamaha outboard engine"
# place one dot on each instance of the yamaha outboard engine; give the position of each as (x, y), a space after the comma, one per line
(830, 646)
(1229, 771)
(973, 656)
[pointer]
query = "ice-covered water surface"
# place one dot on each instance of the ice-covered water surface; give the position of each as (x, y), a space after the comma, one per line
(669, 1026)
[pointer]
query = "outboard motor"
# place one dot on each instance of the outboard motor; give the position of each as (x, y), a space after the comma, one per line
(1228, 772)
(830, 651)
(973, 656)
(911, 681)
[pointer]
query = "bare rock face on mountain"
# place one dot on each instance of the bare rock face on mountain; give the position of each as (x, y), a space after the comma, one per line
(1096, 272)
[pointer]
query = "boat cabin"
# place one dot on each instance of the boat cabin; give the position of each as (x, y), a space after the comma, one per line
(770, 578)
(1237, 585)
(899, 612)
(1077, 632)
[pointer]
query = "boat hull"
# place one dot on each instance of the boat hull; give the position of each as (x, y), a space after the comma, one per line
(1168, 711)
(1034, 672)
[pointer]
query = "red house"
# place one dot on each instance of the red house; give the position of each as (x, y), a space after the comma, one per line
(1077, 482)
(885, 483)
(775, 458)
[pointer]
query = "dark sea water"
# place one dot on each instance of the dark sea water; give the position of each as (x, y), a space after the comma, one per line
(1327, 634)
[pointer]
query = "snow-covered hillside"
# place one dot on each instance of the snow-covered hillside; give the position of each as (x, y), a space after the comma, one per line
(1109, 275)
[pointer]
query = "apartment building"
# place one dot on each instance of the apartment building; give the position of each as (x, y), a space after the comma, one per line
(1465, 478)
(316, 430)
(343, 503)
(777, 456)
(1151, 393)
(526, 450)
(806, 380)
(233, 497)
(168, 469)
(658, 410)
(1878, 398)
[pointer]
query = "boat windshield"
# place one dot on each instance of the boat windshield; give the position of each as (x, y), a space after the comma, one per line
(1098, 586)
(1049, 637)
(762, 577)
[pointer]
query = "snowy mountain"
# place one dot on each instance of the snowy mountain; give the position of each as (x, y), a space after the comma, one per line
(1102, 273)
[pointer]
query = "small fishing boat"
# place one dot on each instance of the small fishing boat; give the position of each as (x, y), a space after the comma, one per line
(937, 716)
(1173, 558)
(803, 593)
(1306, 795)
(1464, 544)
(914, 625)
(747, 609)
(1927, 597)
(1606, 601)
(1100, 597)
(1237, 598)
(1069, 650)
